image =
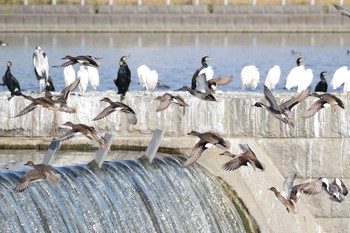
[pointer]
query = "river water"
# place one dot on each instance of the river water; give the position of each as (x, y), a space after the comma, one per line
(176, 55)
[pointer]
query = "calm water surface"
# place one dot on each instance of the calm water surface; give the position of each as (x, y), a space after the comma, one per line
(176, 56)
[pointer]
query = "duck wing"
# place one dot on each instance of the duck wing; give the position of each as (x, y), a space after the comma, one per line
(341, 10)
(287, 186)
(310, 188)
(105, 112)
(71, 133)
(68, 89)
(270, 98)
(219, 81)
(251, 157)
(289, 104)
(197, 151)
(28, 177)
(164, 102)
(235, 163)
(315, 107)
(201, 83)
(179, 100)
(27, 109)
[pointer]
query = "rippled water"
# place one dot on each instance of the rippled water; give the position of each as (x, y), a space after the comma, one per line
(176, 56)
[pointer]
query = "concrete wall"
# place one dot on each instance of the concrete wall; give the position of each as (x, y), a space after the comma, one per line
(318, 146)
(181, 18)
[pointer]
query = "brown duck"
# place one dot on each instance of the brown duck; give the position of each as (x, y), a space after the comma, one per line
(246, 158)
(117, 106)
(207, 140)
(282, 111)
(87, 131)
(285, 194)
(166, 99)
(325, 100)
(40, 172)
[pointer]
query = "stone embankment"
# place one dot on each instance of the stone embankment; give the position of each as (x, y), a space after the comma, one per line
(173, 18)
(315, 147)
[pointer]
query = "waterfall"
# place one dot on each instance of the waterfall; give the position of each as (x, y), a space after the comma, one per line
(123, 196)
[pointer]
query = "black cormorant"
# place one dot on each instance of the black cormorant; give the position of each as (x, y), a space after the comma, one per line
(11, 82)
(322, 85)
(124, 77)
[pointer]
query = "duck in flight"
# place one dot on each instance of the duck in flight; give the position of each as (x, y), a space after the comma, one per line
(40, 172)
(325, 100)
(166, 99)
(87, 131)
(282, 111)
(86, 60)
(117, 106)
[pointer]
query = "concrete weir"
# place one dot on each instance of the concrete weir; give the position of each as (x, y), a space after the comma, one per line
(315, 147)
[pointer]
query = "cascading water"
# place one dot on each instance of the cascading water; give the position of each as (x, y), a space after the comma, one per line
(123, 196)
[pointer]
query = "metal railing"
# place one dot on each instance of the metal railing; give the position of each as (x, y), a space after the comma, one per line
(168, 2)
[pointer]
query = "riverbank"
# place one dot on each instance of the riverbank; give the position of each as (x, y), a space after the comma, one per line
(174, 18)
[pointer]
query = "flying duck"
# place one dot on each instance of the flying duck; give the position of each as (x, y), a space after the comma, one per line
(117, 106)
(40, 172)
(336, 190)
(325, 100)
(200, 95)
(207, 140)
(87, 131)
(52, 102)
(322, 85)
(204, 61)
(124, 77)
(285, 194)
(86, 60)
(167, 99)
(246, 158)
(11, 82)
(148, 78)
(42, 69)
(281, 112)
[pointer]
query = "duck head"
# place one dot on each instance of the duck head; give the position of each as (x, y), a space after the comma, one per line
(29, 163)
(68, 123)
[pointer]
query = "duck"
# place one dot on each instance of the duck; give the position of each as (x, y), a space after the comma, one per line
(86, 60)
(295, 74)
(88, 131)
(42, 69)
(11, 82)
(117, 106)
(282, 111)
(200, 95)
(83, 76)
(322, 85)
(246, 158)
(94, 77)
(52, 102)
(3, 43)
(207, 140)
(218, 81)
(273, 77)
(342, 10)
(204, 63)
(250, 76)
(292, 52)
(325, 100)
(341, 77)
(166, 99)
(40, 172)
(148, 78)
(285, 194)
(45, 102)
(335, 190)
(305, 82)
(123, 78)
(69, 75)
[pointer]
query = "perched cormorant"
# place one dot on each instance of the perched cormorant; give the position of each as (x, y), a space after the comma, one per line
(322, 84)
(204, 61)
(124, 77)
(11, 82)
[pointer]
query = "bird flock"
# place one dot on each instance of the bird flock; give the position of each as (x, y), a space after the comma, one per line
(204, 87)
